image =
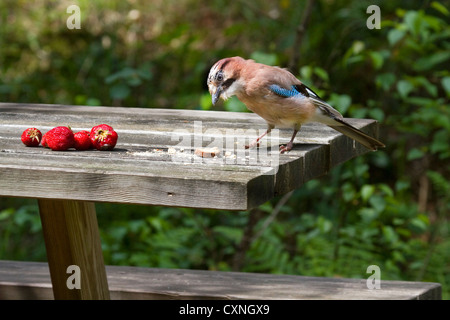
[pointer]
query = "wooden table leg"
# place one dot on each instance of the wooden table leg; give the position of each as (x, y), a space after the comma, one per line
(72, 240)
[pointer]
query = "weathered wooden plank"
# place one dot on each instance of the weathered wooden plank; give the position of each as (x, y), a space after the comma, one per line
(110, 180)
(155, 163)
(31, 280)
(72, 240)
(160, 122)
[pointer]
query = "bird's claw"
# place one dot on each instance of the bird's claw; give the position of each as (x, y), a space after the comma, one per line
(286, 148)
(251, 145)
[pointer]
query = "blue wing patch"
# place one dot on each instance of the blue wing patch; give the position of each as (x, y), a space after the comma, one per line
(286, 93)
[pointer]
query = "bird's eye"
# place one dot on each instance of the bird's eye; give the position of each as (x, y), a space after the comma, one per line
(219, 76)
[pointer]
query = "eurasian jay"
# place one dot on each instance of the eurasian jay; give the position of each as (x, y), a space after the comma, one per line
(278, 97)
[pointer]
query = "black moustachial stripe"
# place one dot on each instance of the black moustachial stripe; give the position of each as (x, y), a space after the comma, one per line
(227, 83)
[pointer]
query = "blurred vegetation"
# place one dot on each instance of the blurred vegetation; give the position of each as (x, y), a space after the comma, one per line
(388, 208)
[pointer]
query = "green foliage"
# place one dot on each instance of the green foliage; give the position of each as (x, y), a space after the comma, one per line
(123, 80)
(169, 237)
(389, 208)
(20, 232)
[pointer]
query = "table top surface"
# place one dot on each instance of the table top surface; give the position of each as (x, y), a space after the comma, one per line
(155, 160)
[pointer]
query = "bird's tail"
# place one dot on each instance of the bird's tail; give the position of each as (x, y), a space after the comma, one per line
(358, 135)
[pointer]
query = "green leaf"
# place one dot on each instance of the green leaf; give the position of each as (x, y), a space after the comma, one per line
(324, 224)
(348, 192)
(389, 234)
(377, 202)
(440, 144)
(431, 88)
(119, 91)
(265, 58)
(122, 74)
(356, 59)
(402, 185)
(395, 35)
(412, 21)
(144, 71)
(358, 47)
(398, 221)
(433, 23)
(377, 114)
(367, 191)
(93, 102)
(398, 256)
(428, 62)
(440, 183)
(400, 12)
(6, 213)
(385, 80)
(381, 159)
(134, 81)
(233, 104)
(404, 87)
(321, 73)
(232, 233)
(368, 214)
(205, 101)
(4, 88)
(439, 7)
(386, 190)
(340, 101)
(419, 225)
(110, 79)
(414, 154)
(377, 59)
(306, 72)
(421, 101)
(446, 85)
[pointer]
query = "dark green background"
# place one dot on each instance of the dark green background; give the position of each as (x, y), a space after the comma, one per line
(388, 208)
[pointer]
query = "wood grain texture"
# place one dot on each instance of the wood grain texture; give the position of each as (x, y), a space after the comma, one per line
(72, 238)
(154, 161)
(31, 280)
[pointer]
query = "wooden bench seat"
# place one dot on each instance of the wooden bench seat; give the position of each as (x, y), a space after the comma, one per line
(31, 280)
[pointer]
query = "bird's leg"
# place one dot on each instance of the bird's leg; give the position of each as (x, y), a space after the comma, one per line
(290, 144)
(256, 142)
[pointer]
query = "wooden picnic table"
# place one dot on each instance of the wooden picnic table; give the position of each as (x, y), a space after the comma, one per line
(154, 163)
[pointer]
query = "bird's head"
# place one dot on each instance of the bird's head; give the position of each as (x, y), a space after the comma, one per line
(224, 78)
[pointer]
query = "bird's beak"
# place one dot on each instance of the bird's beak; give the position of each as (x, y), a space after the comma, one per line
(216, 95)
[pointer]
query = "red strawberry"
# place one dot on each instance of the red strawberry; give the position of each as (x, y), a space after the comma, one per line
(44, 140)
(59, 139)
(31, 137)
(82, 140)
(103, 137)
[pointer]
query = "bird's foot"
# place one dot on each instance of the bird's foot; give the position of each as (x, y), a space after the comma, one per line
(253, 144)
(287, 147)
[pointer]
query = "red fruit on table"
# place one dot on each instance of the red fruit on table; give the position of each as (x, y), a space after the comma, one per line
(31, 137)
(82, 140)
(103, 137)
(59, 139)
